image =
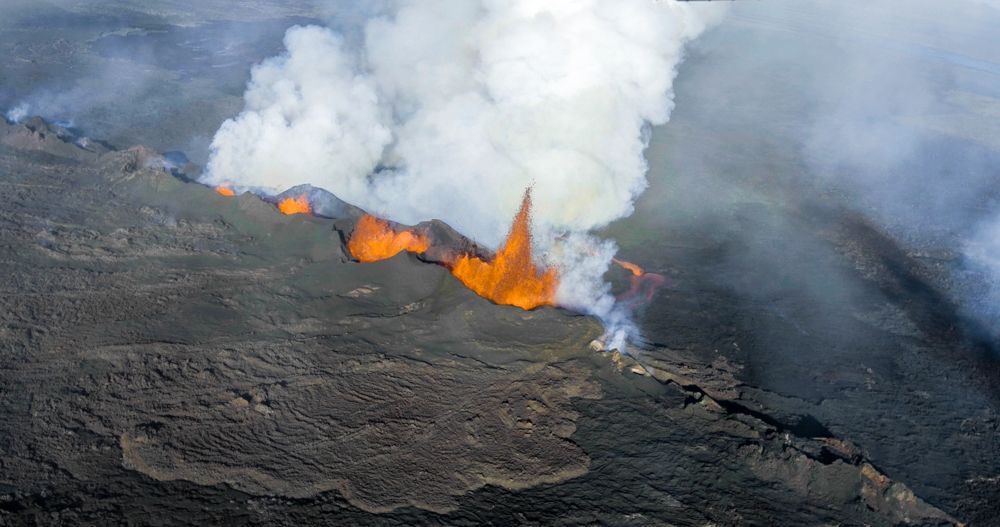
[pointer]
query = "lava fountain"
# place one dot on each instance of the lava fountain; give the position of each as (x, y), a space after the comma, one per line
(296, 205)
(225, 191)
(510, 277)
(374, 239)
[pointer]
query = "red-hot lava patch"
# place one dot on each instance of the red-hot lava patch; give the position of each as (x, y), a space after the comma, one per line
(509, 277)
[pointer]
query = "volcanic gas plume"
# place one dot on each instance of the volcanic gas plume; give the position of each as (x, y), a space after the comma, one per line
(447, 109)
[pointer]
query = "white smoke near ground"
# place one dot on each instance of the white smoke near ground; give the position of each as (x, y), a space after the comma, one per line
(983, 252)
(895, 105)
(451, 108)
(18, 113)
(309, 118)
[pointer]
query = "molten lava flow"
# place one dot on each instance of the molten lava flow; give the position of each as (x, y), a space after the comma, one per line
(374, 239)
(643, 285)
(511, 277)
(225, 191)
(296, 205)
(629, 266)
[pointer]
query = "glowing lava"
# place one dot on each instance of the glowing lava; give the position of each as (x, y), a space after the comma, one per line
(511, 277)
(374, 239)
(643, 285)
(225, 191)
(629, 266)
(296, 205)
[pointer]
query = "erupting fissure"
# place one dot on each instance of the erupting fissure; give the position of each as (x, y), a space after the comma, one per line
(374, 239)
(225, 191)
(296, 205)
(510, 277)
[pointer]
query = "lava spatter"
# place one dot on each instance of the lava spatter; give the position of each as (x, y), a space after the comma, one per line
(510, 277)
(374, 239)
(295, 205)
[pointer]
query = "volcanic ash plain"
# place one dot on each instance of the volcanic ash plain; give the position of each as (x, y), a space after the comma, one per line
(171, 355)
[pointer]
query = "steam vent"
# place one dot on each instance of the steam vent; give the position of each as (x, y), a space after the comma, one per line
(623, 263)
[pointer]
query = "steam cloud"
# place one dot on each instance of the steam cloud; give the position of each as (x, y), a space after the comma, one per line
(891, 104)
(451, 108)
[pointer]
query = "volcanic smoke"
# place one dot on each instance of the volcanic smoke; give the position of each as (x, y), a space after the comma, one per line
(447, 109)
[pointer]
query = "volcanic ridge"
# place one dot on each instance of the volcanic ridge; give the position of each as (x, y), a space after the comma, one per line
(169, 347)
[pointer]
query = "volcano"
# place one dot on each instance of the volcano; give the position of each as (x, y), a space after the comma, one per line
(391, 336)
(177, 354)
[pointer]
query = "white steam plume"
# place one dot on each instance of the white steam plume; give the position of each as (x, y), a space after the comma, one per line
(453, 107)
(18, 113)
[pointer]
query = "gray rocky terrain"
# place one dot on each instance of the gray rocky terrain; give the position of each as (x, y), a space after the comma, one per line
(175, 356)
(170, 356)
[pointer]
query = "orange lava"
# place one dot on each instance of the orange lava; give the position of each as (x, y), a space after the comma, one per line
(642, 285)
(225, 191)
(512, 277)
(629, 266)
(374, 239)
(296, 205)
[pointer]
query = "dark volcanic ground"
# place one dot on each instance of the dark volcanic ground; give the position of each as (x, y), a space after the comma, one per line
(171, 356)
